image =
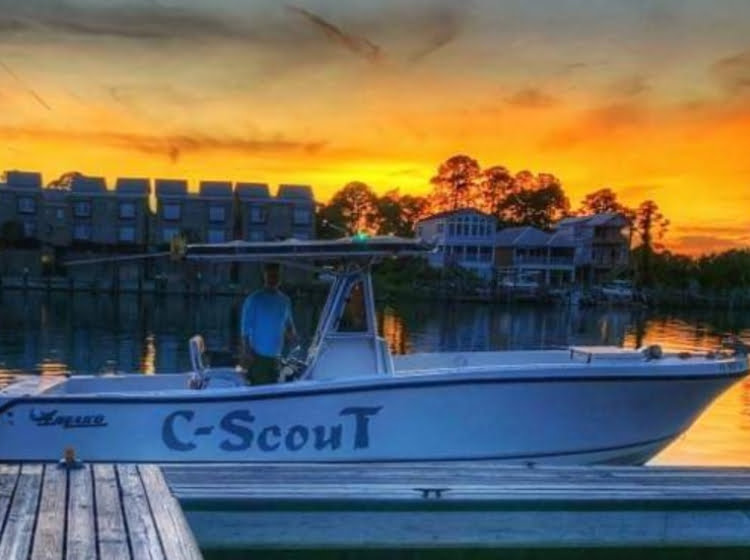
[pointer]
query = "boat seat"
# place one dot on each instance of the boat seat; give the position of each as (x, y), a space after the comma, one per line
(202, 374)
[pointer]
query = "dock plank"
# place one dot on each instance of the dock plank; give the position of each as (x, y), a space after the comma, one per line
(81, 533)
(176, 537)
(110, 522)
(142, 532)
(49, 537)
(8, 481)
(18, 531)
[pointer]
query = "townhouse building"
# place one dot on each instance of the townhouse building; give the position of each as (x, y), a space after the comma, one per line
(528, 253)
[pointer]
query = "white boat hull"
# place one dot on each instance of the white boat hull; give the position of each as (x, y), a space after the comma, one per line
(575, 417)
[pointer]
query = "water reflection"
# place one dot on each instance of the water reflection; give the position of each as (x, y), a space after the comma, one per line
(54, 334)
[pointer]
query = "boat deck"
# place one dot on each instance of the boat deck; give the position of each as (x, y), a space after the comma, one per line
(100, 511)
(442, 505)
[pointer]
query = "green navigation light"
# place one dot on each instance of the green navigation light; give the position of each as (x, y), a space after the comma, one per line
(361, 236)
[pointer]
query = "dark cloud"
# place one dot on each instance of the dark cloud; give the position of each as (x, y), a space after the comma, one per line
(358, 45)
(172, 146)
(440, 29)
(134, 21)
(532, 98)
(733, 73)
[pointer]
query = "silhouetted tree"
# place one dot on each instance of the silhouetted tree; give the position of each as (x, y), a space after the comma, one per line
(398, 214)
(455, 185)
(605, 201)
(650, 226)
(495, 185)
(352, 209)
(541, 205)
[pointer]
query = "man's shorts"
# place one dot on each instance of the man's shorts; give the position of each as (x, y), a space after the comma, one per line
(263, 370)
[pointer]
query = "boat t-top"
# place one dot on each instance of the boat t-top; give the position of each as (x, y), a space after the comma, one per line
(349, 399)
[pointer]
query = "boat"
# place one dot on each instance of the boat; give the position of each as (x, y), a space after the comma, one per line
(617, 291)
(349, 399)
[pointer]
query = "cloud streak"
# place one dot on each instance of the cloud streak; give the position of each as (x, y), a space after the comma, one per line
(357, 45)
(171, 146)
(733, 73)
(25, 86)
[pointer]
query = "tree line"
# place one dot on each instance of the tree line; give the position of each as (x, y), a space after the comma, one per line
(533, 199)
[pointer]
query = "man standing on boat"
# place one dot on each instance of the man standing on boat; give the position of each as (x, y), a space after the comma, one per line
(266, 323)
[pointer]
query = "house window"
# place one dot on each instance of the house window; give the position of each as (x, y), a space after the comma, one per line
(440, 227)
(126, 234)
(127, 210)
(302, 216)
(485, 254)
(168, 233)
(257, 215)
(171, 211)
(26, 205)
(82, 209)
(217, 214)
(217, 235)
(471, 253)
(452, 228)
(29, 228)
(60, 214)
(257, 236)
(82, 232)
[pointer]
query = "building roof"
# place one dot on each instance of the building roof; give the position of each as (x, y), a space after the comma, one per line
(23, 179)
(82, 184)
(458, 212)
(522, 236)
(248, 191)
(133, 186)
(561, 239)
(594, 220)
(171, 187)
(218, 189)
(303, 192)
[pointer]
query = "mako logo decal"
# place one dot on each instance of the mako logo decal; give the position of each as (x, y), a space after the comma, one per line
(241, 432)
(45, 419)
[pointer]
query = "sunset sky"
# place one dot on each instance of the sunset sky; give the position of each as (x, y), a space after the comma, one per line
(648, 97)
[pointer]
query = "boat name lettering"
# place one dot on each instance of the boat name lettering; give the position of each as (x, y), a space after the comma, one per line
(67, 421)
(179, 432)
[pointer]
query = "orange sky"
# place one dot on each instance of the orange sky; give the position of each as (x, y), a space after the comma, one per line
(648, 97)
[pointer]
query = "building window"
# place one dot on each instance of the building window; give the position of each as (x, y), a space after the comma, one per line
(217, 214)
(127, 234)
(29, 229)
(257, 215)
(82, 232)
(257, 236)
(82, 209)
(302, 216)
(485, 254)
(168, 233)
(471, 253)
(171, 211)
(452, 228)
(302, 235)
(217, 235)
(440, 227)
(60, 214)
(127, 210)
(26, 205)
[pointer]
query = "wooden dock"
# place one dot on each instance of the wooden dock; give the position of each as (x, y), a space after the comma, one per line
(445, 505)
(94, 512)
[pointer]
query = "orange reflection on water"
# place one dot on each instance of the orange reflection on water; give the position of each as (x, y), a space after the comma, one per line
(148, 360)
(52, 367)
(394, 332)
(720, 436)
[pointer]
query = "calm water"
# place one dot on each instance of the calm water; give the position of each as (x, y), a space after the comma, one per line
(52, 334)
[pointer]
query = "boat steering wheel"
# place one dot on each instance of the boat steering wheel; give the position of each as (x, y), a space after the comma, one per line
(292, 365)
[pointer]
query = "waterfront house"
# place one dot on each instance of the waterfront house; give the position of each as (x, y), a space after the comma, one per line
(529, 253)
(93, 212)
(462, 238)
(253, 205)
(172, 211)
(217, 220)
(55, 228)
(131, 196)
(602, 245)
(298, 210)
(20, 205)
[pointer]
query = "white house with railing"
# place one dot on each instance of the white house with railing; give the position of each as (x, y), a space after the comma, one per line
(462, 238)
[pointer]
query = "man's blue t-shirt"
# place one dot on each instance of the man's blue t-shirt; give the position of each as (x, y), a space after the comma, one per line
(266, 314)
